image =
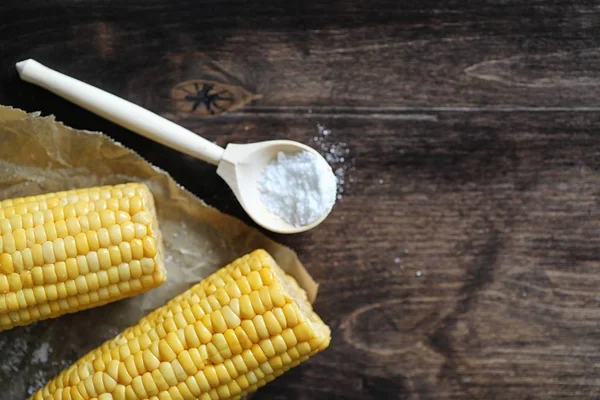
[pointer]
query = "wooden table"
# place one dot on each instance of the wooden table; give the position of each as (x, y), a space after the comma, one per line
(462, 260)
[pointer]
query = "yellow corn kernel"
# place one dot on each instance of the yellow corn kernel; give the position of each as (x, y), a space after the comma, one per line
(280, 317)
(28, 262)
(6, 264)
(260, 326)
(20, 239)
(93, 240)
(112, 203)
(104, 258)
(61, 229)
(14, 282)
(122, 217)
(103, 238)
(291, 316)
(149, 246)
(8, 241)
(135, 205)
(141, 231)
(81, 241)
(50, 229)
(148, 265)
(137, 249)
(4, 284)
(142, 217)
(273, 326)
(115, 235)
(73, 226)
(49, 273)
(114, 254)
(107, 218)
(37, 254)
(70, 246)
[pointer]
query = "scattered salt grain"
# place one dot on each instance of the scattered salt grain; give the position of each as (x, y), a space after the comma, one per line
(380, 181)
(322, 130)
(336, 154)
(38, 380)
(40, 355)
(397, 260)
(185, 252)
(13, 355)
(300, 188)
(418, 273)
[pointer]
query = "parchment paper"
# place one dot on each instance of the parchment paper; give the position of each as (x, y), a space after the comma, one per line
(39, 155)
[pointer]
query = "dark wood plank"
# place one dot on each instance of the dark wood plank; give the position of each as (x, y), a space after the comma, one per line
(473, 162)
(337, 54)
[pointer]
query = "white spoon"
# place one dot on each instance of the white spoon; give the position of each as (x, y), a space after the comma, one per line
(240, 165)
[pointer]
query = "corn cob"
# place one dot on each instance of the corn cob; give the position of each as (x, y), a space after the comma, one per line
(225, 337)
(68, 251)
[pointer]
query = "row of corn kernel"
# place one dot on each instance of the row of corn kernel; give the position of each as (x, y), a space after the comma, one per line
(106, 225)
(15, 303)
(18, 301)
(38, 242)
(128, 204)
(91, 246)
(72, 268)
(79, 217)
(103, 191)
(73, 196)
(82, 283)
(58, 307)
(44, 223)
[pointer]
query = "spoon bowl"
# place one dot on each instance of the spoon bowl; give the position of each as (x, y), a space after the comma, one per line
(241, 167)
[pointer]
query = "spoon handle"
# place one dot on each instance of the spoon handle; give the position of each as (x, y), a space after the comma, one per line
(120, 111)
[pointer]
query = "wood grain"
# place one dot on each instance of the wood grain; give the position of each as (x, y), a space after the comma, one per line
(472, 130)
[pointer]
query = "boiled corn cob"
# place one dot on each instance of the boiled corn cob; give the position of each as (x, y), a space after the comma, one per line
(68, 251)
(225, 337)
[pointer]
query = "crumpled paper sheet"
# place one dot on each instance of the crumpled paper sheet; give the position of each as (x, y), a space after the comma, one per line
(39, 155)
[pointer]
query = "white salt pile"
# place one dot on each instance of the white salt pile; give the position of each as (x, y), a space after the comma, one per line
(300, 188)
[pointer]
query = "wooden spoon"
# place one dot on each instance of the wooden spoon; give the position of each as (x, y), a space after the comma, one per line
(240, 165)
